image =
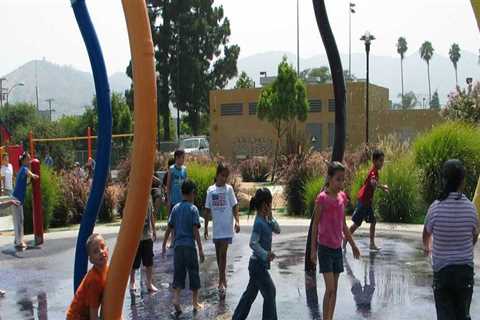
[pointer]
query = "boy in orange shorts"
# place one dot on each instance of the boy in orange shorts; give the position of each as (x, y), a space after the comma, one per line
(88, 298)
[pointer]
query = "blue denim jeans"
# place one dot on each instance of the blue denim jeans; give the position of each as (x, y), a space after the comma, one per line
(260, 280)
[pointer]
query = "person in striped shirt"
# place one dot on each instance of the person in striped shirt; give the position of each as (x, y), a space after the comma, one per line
(453, 224)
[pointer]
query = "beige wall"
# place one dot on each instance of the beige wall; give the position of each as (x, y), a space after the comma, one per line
(242, 135)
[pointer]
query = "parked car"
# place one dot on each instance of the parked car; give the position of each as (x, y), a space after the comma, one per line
(195, 145)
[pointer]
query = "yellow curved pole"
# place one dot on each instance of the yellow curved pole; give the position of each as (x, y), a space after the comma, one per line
(476, 10)
(143, 155)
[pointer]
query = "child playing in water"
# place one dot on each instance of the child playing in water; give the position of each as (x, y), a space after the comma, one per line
(185, 220)
(327, 228)
(145, 251)
(88, 297)
(261, 244)
(453, 223)
(364, 209)
(222, 207)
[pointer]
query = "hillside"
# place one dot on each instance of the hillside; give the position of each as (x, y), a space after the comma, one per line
(72, 89)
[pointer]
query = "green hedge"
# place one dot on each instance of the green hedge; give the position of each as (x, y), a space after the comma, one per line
(50, 187)
(452, 140)
(404, 203)
(203, 175)
(313, 187)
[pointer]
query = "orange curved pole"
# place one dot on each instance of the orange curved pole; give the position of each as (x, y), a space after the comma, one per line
(143, 155)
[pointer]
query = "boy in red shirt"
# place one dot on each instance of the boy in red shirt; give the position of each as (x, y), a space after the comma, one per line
(88, 298)
(364, 209)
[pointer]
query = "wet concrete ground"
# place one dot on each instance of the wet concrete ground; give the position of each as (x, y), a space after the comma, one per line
(393, 284)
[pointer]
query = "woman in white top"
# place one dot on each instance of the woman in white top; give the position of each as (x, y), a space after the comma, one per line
(222, 207)
(6, 173)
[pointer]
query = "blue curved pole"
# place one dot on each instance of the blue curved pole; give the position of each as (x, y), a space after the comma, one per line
(104, 141)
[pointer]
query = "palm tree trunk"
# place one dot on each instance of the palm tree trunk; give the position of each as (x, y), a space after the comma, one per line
(456, 77)
(429, 85)
(401, 72)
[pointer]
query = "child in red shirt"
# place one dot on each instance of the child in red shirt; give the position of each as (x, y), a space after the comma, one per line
(88, 298)
(328, 229)
(364, 209)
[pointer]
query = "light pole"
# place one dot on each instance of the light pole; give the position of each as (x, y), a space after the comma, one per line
(19, 84)
(50, 107)
(298, 38)
(351, 10)
(1, 91)
(367, 38)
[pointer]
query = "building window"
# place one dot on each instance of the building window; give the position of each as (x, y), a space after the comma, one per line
(231, 109)
(331, 105)
(331, 134)
(252, 108)
(315, 105)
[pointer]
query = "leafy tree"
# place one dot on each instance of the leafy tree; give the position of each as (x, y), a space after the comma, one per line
(455, 56)
(408, 100)
(402, 47)
(426, 52)
(282, 103)
(317, 75)
(193, 55)
(244, 81)
(435, 103)
(464, 105)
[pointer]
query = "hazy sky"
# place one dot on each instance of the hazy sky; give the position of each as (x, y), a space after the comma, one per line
(33, 29)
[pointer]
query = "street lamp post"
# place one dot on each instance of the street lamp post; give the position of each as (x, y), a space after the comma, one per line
(1, 91)
(367, 38)
(351, 10)
(19, 84)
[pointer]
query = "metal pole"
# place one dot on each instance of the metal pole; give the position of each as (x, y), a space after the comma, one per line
(349, 42)
(36, 84)
(1, 91)
(367, 48)
(298, 38)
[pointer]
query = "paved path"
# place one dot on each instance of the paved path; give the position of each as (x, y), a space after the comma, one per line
(39, 281)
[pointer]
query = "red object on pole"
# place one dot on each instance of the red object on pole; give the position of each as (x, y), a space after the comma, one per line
(14, 152)
(37, 204)
(32, 147)
(89, 142)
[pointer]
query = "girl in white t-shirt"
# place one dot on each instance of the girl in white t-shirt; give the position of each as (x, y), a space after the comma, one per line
(6, 176)
(221, 207)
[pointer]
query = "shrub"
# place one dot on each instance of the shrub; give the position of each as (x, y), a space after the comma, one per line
(73, 199)
(109, 204)
(296, 170)
(203, 175)
(255, 169)
(50, 189)
(464, 105)
(404, 202)
(452, 140)
(312, 189)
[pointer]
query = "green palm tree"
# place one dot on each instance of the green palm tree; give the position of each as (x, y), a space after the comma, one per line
(455, 55)
(426, 52)
(402, 47)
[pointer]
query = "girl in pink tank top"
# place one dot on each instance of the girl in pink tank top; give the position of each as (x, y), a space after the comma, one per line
(328, 229)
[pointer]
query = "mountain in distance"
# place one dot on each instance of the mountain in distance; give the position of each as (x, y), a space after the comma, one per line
(384, 71)
(70, 88)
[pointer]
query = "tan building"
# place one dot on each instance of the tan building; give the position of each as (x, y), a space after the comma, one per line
(236, 132)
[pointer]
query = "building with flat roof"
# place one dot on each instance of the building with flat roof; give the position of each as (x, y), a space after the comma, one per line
(236, 131)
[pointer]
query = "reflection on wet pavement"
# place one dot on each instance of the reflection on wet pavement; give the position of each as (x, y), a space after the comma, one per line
(393, 284)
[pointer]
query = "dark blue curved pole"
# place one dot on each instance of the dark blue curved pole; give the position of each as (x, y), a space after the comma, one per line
(104, 141)
(339, 90)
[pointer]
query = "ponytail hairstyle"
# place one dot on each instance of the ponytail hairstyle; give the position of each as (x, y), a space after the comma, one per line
(453, 175)
(261, 197)
(22, 157)
(332, 169)
(221, 167)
